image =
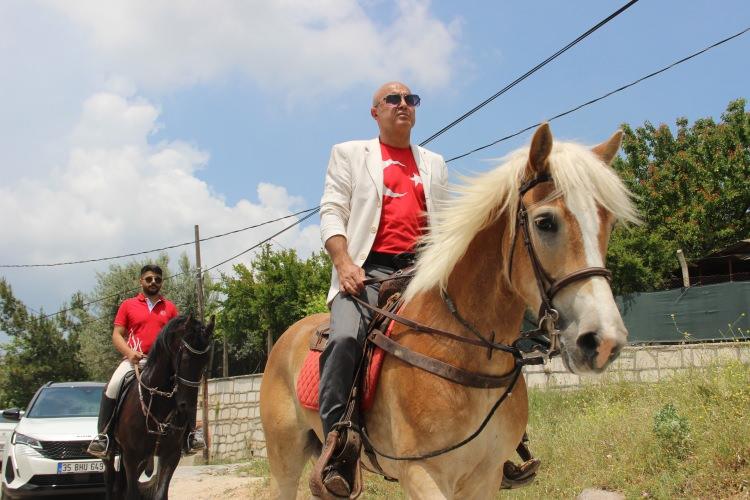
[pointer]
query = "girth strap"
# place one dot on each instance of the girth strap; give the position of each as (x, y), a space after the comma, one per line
(437, 367)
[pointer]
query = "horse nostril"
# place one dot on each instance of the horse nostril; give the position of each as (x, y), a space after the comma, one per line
(588, 342)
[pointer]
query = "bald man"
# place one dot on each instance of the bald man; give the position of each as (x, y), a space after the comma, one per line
(378, 194)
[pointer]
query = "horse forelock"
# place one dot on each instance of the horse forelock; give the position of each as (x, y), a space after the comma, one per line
(479, 201)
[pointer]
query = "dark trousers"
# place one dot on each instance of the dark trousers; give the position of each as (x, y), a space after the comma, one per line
(339, 361)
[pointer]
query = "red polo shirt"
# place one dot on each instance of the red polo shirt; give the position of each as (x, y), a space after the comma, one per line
(142, 325)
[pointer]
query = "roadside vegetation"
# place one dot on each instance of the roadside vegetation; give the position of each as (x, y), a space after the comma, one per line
(688, 437)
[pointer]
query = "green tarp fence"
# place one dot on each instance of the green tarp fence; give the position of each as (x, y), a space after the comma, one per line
(711, 312)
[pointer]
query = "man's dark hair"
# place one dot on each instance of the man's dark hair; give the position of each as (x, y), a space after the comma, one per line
(152, 268)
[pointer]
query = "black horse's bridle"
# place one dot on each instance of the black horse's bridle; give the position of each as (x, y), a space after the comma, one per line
(164, 425)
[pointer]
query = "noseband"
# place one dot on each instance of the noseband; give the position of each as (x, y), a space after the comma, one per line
(548, 316)
(198, 352)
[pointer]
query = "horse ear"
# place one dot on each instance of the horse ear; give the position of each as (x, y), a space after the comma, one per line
(211, 324)
(541, 147)
(607, 150)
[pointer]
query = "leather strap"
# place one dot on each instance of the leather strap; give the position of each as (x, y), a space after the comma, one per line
(437, 367)
(418, 327)
(577, 275)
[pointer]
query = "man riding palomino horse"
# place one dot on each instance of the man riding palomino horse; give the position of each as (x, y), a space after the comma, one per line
(376, 195)
(137, 325)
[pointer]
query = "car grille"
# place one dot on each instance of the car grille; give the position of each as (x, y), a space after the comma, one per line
(65, 450)
(90, 479)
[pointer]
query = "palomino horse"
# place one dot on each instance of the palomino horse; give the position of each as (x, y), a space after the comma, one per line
(530, 234)
(157, 409)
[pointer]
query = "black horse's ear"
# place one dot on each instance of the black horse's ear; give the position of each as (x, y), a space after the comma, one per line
(187, 318)
(210, 325)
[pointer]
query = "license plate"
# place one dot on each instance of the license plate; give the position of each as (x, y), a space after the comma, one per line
(79, 467)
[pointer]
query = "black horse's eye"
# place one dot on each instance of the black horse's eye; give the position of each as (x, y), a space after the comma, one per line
(545, 223)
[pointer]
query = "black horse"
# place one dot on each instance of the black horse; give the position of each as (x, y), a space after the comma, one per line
(158, 410)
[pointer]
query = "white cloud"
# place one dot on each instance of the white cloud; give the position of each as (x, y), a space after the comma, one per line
(119, 192)
(297, 47)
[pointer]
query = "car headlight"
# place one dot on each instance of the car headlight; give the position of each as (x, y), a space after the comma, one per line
(17, 438)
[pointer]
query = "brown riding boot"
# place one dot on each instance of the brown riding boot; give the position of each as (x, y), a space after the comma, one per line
(337, 472)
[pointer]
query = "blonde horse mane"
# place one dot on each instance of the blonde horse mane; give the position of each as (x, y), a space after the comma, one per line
(481, 200)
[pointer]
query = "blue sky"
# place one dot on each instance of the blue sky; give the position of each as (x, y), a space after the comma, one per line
(125, 123)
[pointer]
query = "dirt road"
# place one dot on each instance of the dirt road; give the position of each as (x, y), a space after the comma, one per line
(217, 482)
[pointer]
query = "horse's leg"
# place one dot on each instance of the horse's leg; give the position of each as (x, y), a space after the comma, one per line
(289, 441)
(133, 471)
(418, 483)
(287, 455)
(109, 477)
(164, 470)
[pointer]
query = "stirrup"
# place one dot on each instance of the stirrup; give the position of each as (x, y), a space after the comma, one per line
(194, 442)
(99, 438)
(517, 476)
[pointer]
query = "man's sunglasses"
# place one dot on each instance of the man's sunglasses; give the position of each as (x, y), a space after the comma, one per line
(412, 100)
(155, 279)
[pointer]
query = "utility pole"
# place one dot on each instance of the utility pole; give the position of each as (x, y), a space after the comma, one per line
(199, 294)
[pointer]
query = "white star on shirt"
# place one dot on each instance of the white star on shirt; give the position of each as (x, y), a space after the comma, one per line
(416, 179)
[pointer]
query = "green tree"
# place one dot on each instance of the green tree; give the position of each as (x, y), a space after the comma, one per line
(118, 283)
(277, 290)
(40, 349)
(693, 193)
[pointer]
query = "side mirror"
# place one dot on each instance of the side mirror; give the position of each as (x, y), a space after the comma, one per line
(13, 414)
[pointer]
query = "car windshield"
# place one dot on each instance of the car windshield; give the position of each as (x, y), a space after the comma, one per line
(67, 402)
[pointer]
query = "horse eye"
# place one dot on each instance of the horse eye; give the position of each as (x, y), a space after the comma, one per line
(545, 223)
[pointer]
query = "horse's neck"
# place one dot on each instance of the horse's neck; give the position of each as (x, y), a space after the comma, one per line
(159, 375)
(481, 294)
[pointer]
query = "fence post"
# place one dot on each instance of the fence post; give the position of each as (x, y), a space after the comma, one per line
(684, 267)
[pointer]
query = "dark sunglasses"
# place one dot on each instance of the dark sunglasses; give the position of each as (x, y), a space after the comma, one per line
(155, 279)
(412, 100)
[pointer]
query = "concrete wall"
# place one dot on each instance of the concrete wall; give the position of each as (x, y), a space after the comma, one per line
(234, 417)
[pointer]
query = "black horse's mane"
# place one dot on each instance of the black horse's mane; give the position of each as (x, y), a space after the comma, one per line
(161, 350)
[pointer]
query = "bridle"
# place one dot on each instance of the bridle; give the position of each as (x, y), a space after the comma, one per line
(548, 316)
(545, 339)
(162, 426)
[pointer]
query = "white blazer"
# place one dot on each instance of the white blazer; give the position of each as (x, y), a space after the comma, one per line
(353, 195)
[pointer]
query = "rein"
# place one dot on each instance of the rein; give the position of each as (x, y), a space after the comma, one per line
(163, 426)
(548, 319)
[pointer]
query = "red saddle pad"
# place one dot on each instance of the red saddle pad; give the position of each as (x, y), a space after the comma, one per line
(309, 377)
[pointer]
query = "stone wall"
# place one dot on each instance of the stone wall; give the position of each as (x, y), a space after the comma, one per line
(234, 416)
(641, 364)
(234, 426)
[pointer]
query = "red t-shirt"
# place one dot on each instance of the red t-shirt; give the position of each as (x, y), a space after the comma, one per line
(142, 325)
(403, 215)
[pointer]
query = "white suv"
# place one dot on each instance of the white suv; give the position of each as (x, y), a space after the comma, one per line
(46, 454)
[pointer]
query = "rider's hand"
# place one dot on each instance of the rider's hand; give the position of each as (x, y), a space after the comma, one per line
(351, 278)
(134, 357)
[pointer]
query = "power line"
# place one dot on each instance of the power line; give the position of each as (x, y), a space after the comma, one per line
(604, 96)
(131, 290)
(264, 241)
(528, 73)
(100, 259)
